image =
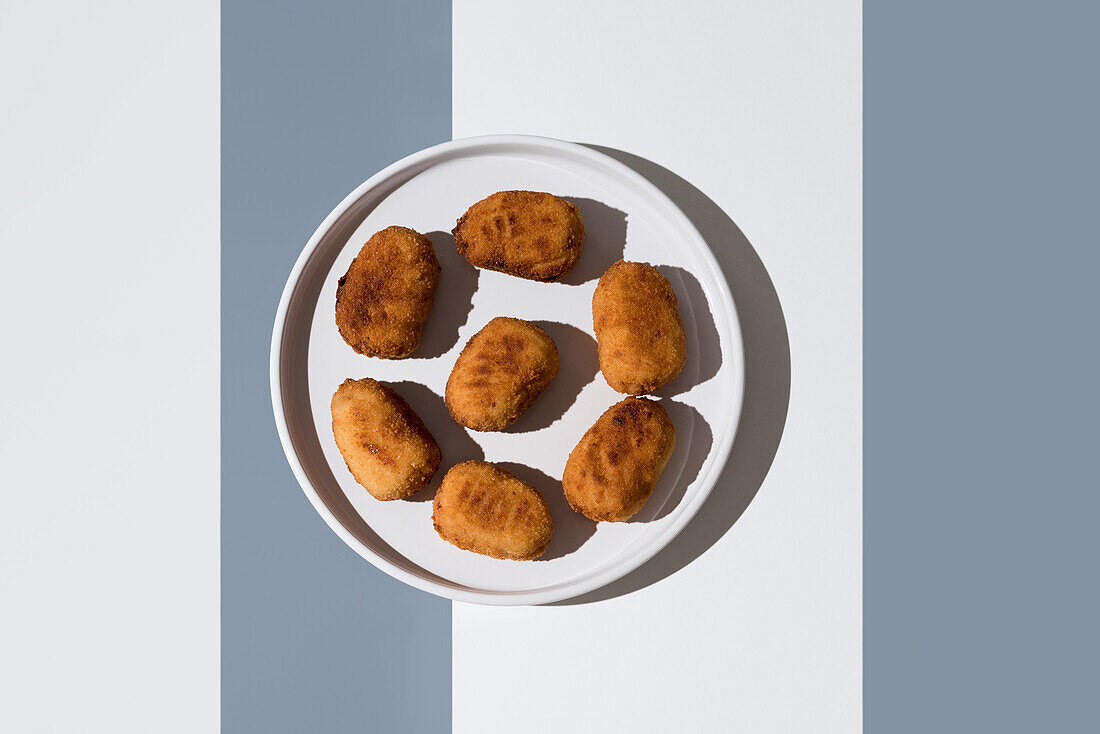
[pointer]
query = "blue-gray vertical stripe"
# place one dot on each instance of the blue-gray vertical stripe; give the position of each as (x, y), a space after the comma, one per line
(981, 362)
(316, 97)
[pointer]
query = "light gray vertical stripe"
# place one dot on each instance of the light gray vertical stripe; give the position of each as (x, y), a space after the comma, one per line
(981, 357)
(315, 98)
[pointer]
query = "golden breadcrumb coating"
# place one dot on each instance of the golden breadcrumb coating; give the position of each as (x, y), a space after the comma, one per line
(384, 299)
(500, 372)
(485, 509)
(529, 234)
(611, 472)
(383, 441)
(639, 333)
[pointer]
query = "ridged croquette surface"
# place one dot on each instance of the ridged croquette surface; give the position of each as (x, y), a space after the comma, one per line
(384, 443)
(529, 234)
(485, 509)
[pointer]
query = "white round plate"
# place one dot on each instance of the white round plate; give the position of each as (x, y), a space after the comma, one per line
(626, 217)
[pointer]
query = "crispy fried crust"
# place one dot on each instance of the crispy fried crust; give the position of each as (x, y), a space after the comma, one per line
(500, 372)
(639, 333)
(485, 509)
(611, 472)
(384, 443)
(528, 234)
(384, 299)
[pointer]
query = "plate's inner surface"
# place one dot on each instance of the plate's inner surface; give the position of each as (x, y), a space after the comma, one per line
(619, 223)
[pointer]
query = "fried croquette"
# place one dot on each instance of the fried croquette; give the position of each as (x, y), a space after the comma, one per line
(384, 299)
(485, 509)
(500, 372)
(383, 441)
(611, 472)
(639, 334)
(528, 234)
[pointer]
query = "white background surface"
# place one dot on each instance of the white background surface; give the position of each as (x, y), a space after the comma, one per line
(109, 581)
(758, 105)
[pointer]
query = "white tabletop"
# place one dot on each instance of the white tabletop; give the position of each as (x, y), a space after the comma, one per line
(758, 106)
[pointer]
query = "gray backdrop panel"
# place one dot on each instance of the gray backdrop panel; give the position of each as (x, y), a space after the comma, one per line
(980, 252)
(316, 97)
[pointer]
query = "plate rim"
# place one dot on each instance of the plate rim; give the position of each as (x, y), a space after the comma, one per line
(615, 570)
